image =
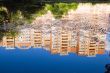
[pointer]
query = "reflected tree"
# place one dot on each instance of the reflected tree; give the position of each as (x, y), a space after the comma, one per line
(18, 12)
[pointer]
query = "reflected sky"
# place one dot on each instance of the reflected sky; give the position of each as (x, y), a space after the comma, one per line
(40, 61)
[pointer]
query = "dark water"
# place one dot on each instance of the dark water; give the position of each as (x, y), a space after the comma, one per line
(41, 61)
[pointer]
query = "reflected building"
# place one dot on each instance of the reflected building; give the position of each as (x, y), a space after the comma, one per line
(64, 41)
(47, 41)
(73, 40)
(56, 40)
(37, 39)
(78, 34)
(1, 43)
(101, 47)
(83, 46)
(92, 50)
(8, 42)
(87, 44)
(24, 39)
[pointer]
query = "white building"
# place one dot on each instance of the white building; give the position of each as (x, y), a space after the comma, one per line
(24, 39)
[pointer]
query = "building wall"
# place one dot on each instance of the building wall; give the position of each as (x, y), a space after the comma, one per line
(8, 42)
(64, 42)
(24, 39)
(101, 47)
(37, 39)
(1, 43)
(56, 44)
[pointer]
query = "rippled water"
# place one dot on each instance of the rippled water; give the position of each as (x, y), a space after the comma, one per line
(41, 61)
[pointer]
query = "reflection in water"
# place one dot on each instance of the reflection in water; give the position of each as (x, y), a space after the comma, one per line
(77, 33)
(82, 32)
(58, 40)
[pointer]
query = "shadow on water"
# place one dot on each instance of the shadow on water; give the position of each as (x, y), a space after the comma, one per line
(107, 68)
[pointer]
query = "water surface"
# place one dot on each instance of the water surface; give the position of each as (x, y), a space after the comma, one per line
(41, 61)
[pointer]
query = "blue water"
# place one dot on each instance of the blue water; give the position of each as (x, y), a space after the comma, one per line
(41, 61)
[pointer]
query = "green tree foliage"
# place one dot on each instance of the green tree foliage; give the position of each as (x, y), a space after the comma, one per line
(3, 14)
(14, 13)
(59, 9)
(29, 9)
